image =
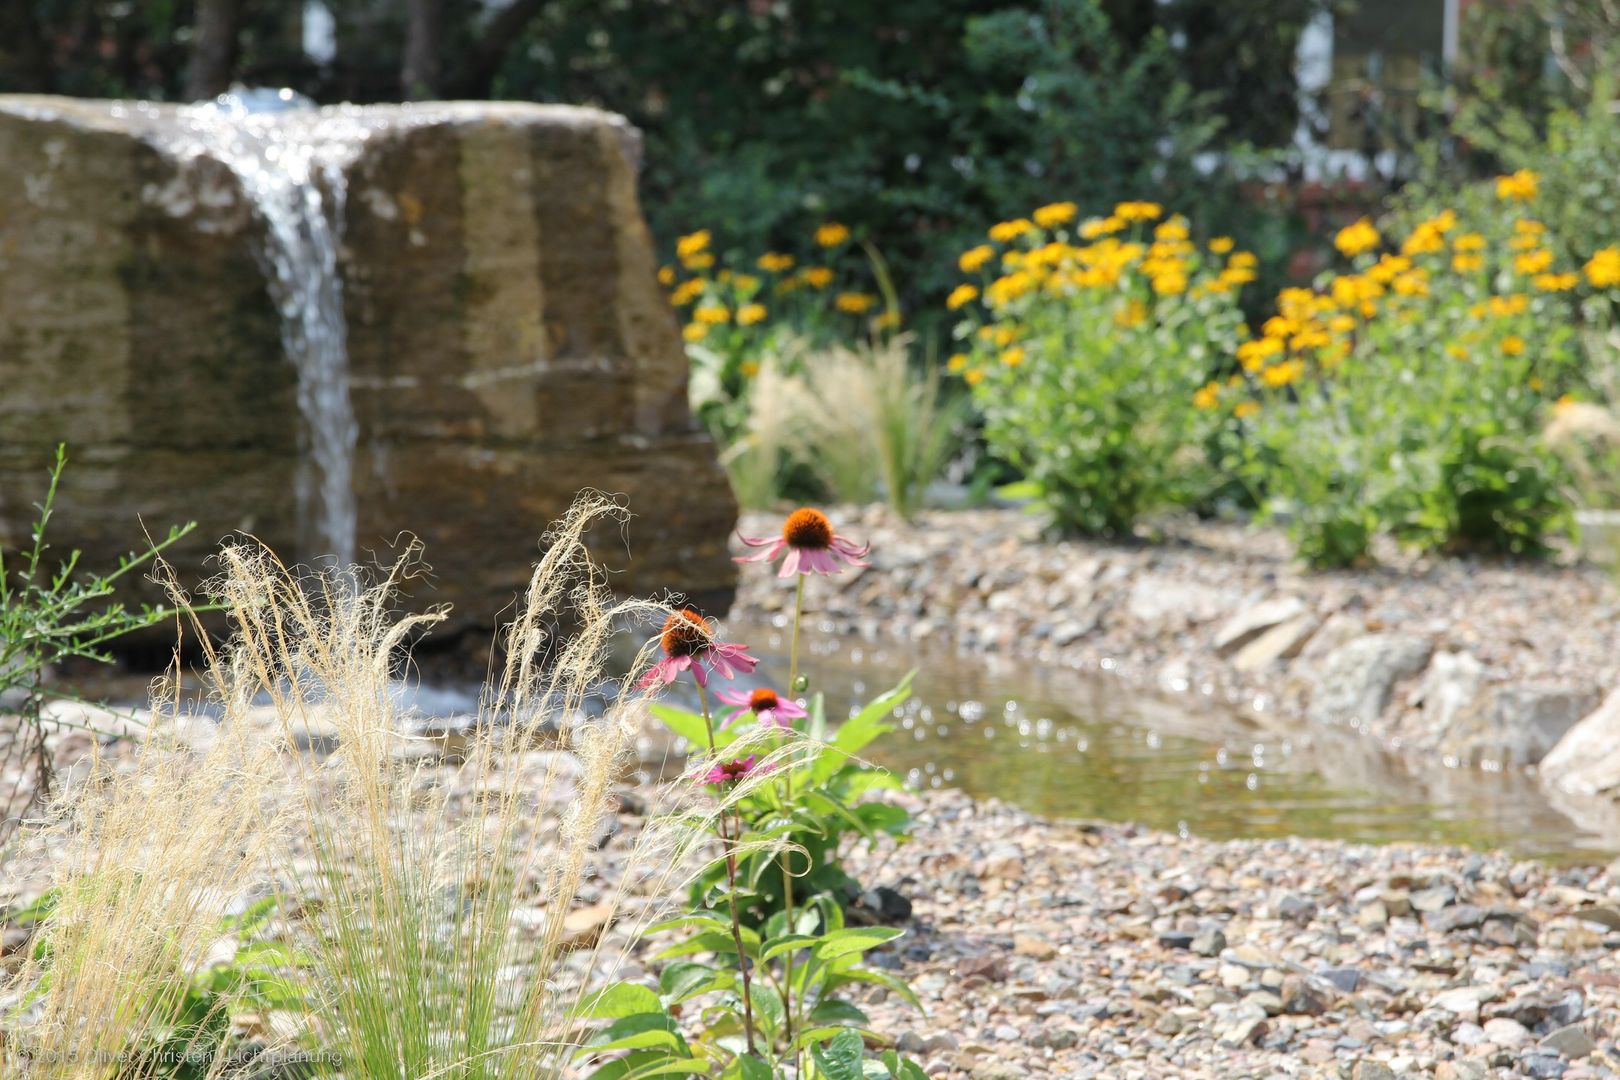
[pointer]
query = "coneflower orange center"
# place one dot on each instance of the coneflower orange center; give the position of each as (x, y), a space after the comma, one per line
(763, 699)
(807, 528)
(685, 632)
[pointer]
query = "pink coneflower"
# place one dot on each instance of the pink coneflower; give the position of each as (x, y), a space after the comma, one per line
(689, 645)
(729, 772)
(767, 706)
(811, 545)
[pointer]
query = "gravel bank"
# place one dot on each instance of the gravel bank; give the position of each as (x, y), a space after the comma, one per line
(1475, 661)
(1109, 951)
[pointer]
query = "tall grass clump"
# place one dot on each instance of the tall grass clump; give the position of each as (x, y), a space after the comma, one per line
(876, 423)
(427, 901)
(151, 857)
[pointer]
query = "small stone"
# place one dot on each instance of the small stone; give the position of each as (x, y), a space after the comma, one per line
(1567, 1009)
(1461, 1069)
(1545, 1066)
(1344, 979)
(1373, 916)
(1265, 999)
(1301, 997)
(1372, 1070)
(1244, 1028)
(1508, 1034)
(1572, 1041)
(1250, 623)
(1055, 1038)
(1037, 948)
(1210, 942)
(1248, 956)
(1605, 915)
(1296, 909)
(1458, 917)
(1177, 939)
(1431, 900)
(1463, 1002)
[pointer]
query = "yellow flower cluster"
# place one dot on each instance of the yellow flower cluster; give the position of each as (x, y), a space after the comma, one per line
(1357, 238)
(832, 234)
(720, 297)
(1121, 265)
(1316, 329)
(1520, 186)
(1603, 269)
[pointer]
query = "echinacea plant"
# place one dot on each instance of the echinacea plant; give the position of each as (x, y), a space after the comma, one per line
(756, 982)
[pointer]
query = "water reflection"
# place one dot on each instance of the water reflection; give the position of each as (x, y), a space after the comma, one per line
(1064, 745)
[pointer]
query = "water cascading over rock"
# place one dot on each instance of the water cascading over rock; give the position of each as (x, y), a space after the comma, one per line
(331, 327)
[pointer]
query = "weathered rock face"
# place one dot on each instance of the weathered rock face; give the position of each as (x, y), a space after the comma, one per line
(507, 346)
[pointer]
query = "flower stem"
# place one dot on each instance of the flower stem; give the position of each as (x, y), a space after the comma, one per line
(787, 870)
(728, 845)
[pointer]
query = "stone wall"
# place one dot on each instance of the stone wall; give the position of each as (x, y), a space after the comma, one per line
(508, 346)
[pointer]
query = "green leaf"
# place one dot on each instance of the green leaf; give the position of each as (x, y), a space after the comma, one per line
(690, 726)
(838, 1012)
(789, 943)
(748, 1067)
(840, 1057)
(901, 1068)
(644, 1063)
(684, 981)
(621, 1000)
(855, 939)
(769, 1010)
(707, 922)
(637, 1033)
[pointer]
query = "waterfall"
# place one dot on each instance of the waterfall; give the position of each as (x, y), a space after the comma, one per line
(290, 159)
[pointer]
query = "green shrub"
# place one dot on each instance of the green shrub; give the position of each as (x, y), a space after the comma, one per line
(1405, 396)
(1091, 353)
(48, 616)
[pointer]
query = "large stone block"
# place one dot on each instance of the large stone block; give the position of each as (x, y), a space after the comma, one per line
(507, 346)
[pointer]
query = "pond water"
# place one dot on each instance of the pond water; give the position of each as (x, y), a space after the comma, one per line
(1067, 745)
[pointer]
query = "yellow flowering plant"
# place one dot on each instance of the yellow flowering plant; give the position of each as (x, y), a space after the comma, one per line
(1085, 344)
(1404, 394)
(738, 312)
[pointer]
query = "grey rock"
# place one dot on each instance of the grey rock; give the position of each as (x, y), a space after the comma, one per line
(1450, 685)
(1250, 623)
(1518, 724)
(1508, 1034)
(1357, 678)
(1344, 979)
(1210, 942)
(1586, 761)
(1296, 909)
(1568, 1008)
(508, 344)
(1303, 997)
(1282, 642)
(1372, 1070)
(1178, 939)
(1457, 917)
(1572, 1041)
(1543, 1066)
(1433, 899)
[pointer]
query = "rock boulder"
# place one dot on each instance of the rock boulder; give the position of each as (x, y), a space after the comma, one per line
(507, 346)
